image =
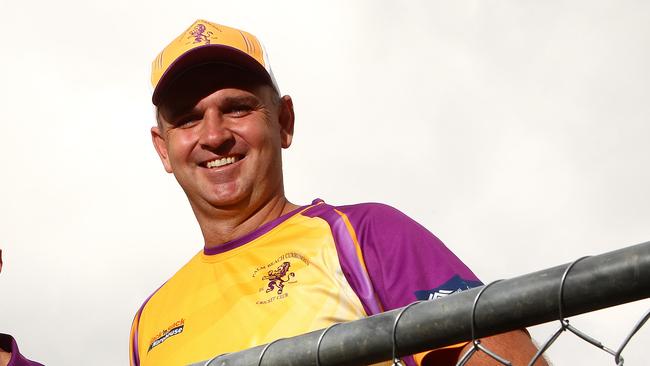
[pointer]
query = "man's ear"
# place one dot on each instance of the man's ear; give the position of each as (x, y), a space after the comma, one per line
(286, 118)
(159, 143)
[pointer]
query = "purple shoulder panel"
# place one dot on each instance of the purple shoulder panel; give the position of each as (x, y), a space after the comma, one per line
(346, 250)
(405, 261)
(8, 343)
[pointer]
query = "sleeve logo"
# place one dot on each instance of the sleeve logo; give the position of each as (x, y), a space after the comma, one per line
(452, 286)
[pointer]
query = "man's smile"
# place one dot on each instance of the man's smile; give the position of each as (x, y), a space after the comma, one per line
(219, 162)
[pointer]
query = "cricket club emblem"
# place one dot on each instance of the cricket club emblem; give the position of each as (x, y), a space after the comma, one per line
(278, 277)
(200, 35)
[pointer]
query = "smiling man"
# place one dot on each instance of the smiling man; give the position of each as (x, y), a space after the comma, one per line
(269, 268)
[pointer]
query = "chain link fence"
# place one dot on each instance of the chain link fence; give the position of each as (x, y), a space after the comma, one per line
(549, 295)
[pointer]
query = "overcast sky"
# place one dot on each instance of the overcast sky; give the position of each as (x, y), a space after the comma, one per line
(516, 131)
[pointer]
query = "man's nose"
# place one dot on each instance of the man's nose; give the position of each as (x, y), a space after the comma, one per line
(214, 131)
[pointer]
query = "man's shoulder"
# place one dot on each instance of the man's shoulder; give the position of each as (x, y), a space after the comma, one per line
(365, 211)
(373, 224)
(374, 214)
(370, 209)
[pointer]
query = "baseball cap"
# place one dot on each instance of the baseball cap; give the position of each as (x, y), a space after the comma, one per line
(206, 42)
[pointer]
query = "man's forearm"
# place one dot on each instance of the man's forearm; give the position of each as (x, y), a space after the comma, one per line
(515, 346)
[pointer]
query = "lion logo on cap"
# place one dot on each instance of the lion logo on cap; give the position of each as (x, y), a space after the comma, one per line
(200, 35)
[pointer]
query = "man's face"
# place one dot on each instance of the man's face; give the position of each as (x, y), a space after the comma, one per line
(221, 134)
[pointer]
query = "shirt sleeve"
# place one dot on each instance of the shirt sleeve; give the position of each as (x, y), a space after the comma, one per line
(406, 263)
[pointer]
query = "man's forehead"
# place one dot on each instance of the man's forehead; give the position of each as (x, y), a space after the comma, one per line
(201, 81)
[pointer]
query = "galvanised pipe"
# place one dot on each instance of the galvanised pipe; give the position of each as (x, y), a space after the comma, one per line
(593, 283)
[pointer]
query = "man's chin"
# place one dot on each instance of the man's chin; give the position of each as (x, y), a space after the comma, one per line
(228, 200)
(228, 204)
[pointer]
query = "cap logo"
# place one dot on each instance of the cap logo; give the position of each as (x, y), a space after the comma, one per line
(200, 35)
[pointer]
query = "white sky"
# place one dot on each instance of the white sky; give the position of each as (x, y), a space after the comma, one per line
(516, 131)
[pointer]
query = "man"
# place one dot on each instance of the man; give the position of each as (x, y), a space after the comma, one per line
(270, 268)
(9, 353)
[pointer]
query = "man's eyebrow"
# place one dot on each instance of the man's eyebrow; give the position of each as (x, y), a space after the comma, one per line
(241, 99)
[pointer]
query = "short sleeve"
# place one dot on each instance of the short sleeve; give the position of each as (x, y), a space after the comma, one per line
(405, 261)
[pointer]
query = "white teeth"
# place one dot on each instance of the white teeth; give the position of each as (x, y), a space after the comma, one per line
(220, 162)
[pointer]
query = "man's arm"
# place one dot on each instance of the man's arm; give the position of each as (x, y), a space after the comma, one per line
(515, 346)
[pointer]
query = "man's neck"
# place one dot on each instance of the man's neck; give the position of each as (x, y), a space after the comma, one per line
(230, 224)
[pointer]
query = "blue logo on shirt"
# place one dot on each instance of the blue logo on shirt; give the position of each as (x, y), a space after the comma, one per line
(452, 286)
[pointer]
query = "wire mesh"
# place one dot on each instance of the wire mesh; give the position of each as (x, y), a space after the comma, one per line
(628, 271)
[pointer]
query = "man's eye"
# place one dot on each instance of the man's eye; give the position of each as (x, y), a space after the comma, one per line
(186, 121)
(239, 110)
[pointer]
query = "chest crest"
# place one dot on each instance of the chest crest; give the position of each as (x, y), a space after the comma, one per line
(276, 278)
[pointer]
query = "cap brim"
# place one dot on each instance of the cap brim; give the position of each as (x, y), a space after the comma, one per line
(205, 54)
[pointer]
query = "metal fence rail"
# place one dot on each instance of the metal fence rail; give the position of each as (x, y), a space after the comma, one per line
(593, 283)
